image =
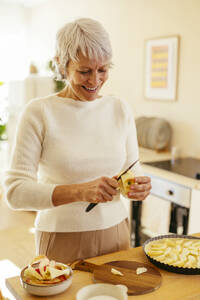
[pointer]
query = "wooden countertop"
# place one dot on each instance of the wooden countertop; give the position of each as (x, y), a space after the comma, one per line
(173, 287)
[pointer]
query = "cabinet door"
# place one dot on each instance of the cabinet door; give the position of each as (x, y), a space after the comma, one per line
(155, 216)
(194, 215)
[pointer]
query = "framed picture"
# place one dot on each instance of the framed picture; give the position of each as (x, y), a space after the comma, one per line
(161, 68)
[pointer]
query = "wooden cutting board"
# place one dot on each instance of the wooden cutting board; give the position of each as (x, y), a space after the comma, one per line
(136, 284)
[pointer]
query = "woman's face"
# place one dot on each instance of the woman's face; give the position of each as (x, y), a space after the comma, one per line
(86, 77)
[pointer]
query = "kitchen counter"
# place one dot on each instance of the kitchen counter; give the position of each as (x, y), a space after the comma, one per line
(171, 176)
(185, 192)
(147, 155)
(173, 287)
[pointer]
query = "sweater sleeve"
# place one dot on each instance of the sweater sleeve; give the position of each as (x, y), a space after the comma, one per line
(22, 188)
(132, 143)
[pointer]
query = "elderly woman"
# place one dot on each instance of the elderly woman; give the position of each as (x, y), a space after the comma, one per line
(69, 148)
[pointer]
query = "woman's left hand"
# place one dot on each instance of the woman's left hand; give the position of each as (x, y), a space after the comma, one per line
(140, 189)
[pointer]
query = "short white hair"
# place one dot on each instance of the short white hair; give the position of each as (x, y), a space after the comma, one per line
(83, 35)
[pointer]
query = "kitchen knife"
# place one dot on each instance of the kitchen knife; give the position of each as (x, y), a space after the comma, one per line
(92, 205)
(127, 169)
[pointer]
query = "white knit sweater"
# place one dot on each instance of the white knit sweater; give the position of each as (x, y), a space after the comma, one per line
(63, 141)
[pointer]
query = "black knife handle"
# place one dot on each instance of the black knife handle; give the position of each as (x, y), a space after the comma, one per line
(90, 206)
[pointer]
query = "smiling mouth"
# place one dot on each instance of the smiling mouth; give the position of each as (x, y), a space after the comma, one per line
(91, 90)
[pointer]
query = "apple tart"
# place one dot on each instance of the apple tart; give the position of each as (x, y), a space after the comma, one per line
(176, 253)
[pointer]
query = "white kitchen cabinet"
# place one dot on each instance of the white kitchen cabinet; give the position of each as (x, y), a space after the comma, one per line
(194, 215)
(155, 216)
(167, 190)
(167, 209)
(3, 163)
(3, 157)
(20, 92)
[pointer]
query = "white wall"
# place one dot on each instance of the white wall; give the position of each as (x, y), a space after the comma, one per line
(162, 18)
(49, 17)
(129, 24)
(13, 51)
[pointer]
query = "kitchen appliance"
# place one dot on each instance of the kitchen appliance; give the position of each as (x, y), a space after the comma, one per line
(179, 198)
(188, 166)
(153, 132)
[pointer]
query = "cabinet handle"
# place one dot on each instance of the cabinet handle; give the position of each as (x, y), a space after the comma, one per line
(171, 193)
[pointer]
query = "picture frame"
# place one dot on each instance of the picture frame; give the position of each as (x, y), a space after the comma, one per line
(161, 68)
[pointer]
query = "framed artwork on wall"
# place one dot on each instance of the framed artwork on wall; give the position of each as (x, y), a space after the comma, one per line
(161, 68)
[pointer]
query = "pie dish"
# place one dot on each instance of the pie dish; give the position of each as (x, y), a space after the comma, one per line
(174, 253)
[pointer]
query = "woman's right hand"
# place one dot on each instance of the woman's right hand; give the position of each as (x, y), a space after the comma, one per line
(102, 189)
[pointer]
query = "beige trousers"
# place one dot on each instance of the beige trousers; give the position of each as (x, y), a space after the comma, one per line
(68, 247)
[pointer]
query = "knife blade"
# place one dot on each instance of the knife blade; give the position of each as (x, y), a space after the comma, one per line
(92, 205)
(127, 169)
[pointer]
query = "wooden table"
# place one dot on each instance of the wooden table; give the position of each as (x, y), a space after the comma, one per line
(173, 287)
